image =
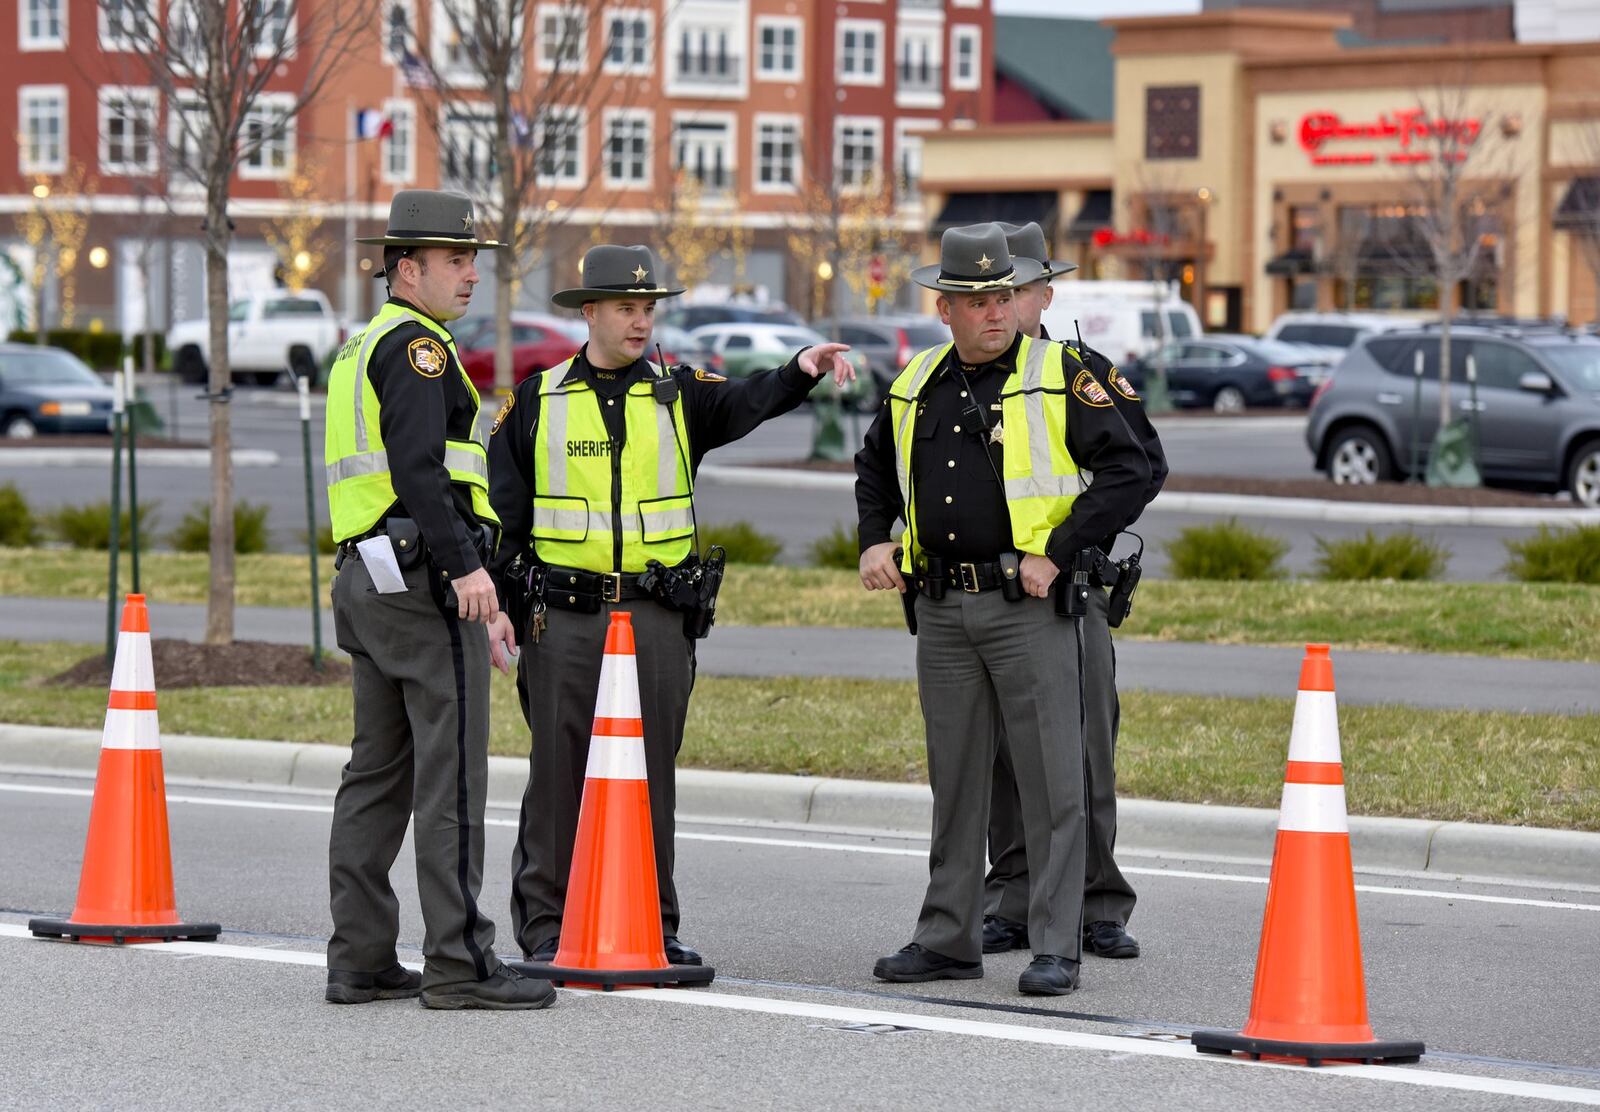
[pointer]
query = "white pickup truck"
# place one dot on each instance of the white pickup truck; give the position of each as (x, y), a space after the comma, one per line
(268, 333)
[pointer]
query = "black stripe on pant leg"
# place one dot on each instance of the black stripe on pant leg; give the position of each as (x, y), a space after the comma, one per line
(469, 929)
(1083, 754)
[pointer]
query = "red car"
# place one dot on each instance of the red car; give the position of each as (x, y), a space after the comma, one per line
(538, 342)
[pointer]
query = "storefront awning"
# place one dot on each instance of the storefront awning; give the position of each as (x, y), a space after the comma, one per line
(1094, 215)
(1291, 263)
(1580, 206)
(1011, 208)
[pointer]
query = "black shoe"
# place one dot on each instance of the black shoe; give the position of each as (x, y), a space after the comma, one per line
(1000, 935)
(679, 954)
(503, 990)
(1109, 940)
(1049, 975)
(917, 963)
(394, 983)
(546, 950)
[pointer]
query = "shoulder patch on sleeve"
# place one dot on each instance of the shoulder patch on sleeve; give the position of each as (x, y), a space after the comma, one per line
(708, 376)
(1089, 391)
(427, 356)
(505, 409)
(1123, 386)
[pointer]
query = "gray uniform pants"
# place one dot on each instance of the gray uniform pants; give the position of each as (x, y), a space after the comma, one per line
(558, 679)
(1107, 895)
(983, 665)
(421, 747)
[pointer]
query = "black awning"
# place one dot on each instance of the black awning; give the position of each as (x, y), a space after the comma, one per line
(1010, 208)
(1394, 257)
(1094, 215)
(1579, 209)
(1291, 263)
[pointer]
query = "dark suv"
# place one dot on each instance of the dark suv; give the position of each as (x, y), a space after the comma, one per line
(1538, 406)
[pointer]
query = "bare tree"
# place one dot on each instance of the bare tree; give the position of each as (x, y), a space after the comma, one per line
(213, 62)
(1581, 217)
(688, 240)
(1349, 254)
(55, 228)
(297, 235)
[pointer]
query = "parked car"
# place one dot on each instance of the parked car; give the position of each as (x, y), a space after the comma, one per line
(538, 341)
(1121, 320)
(888, 341)
(1538, 407)
(268, 333)
(1229, 373)
(47, 390)
(747, 348)
(691, 316)
(677, 346)
(1330, 335)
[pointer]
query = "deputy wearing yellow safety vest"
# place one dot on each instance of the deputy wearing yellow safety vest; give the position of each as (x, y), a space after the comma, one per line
(982, 450)
(592, 466)
(408, 498)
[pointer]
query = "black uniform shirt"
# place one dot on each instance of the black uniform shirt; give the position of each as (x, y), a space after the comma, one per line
(949, 469)
(417, 412)
(716, 411)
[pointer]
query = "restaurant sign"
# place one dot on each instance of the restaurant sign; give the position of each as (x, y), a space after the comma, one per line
(1404, 136)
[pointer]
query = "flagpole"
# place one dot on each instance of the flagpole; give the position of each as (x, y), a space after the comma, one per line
(351, 310)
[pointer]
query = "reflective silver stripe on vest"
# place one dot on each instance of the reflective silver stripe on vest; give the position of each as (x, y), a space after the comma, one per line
(666, 453)
(373, 336)
(351, 467)
(460, 459)
(1041, 486)
(554, 418)
(1039, 461)
(576, 521)
(919, 377)
(662, 520)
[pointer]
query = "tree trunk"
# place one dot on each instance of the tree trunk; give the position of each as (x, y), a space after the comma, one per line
(505, 261)
(1447, 309)
(219, 599)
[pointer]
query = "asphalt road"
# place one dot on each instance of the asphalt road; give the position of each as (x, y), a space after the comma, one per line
(1497, 980)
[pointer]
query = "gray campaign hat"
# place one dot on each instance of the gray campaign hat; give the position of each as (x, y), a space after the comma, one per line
(1027, 241)
(430, 218)
(974, 259)
(610, 271)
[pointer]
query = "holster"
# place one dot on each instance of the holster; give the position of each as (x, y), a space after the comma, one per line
(409, 548)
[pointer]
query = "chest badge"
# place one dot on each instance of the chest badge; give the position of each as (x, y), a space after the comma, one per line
(427, 356)
(997, 435)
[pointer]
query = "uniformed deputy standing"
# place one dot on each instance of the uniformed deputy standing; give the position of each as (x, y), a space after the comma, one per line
(1107, 896)
(978, 449)
(593, 467)
(402, 463)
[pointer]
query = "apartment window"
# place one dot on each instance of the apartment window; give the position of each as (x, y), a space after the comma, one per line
(273, 23)
(42, 129)
(966, 65)
(627, 149)
(917, 68)
(778, 49)
(562, 35)
(860, 51)
(703, 149)
(125, 24)
(266, 142)
(466, 148)
(455, 48)
(399, 30)
(908, 160)
(44, 24)
(777, 154)
(1172, 121)
(127, 130)
(400, 145)
(705, 55)
(627, 42)
(558, 133)
(858, 147)
(188, 127)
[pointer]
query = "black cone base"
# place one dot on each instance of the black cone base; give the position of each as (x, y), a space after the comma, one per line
(1379, 1050)
(671, 976)
(166, 932)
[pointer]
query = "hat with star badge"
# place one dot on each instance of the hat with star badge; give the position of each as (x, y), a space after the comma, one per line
(1026, 241)
(975, 259)
(609, 271)
(430, 218)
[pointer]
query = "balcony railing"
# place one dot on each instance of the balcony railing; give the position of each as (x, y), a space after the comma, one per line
(708, 68)
(920, 77)
(713, 180)
(936, 5)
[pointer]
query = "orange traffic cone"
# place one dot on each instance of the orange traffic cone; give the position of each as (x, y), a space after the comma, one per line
(611, 930)
(1310, 998)
(125, 891)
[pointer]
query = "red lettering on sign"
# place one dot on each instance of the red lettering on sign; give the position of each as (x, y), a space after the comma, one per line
(1406, 126)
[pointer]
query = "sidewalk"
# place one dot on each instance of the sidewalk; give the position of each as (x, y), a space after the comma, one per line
(1444, 849)
(1177, 667)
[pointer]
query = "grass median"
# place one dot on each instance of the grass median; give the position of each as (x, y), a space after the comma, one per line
(1525, 769)
(1535, 621)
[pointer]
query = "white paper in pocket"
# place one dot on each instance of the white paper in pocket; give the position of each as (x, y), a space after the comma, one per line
(378, 554)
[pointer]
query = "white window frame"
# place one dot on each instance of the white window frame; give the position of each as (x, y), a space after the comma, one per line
(904, 129)
(932, 35)
(730, 144)
(116, 38)
(577, 176)
(265, 48)
(396, 109)
(27, 42)
(475, 122)
(775, 119)
(694, 18)
(151, 102)
(574, 54)
(876, 56)
(613, 116)
(273, 103)
(441, 27)
(840, 124)
(25, 140)
(780, 23)
(409, 7)
(633, 16)
(179, 140)
(975, 33)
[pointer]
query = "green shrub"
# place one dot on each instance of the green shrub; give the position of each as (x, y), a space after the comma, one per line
(89, 526)
(745, 544)
(101, 350)
(18, 527)
(1558, 554)
(325, 542)
(1225, 550)
(1398, 556)
(839, 549)
(193, 533)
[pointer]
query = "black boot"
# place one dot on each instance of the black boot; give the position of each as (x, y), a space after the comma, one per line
(394, 983)
(1001, 934)
(1049, 975)
(917, 963)
(503, 990)
(1109, 940)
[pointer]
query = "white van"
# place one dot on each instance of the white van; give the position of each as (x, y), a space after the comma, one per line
(1119, 319)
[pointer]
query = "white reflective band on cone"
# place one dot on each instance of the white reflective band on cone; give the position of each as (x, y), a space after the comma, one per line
(132, 670)
(619, 687)
(616, 758)
(1314, 809)
(131, 729)
(1315, 735)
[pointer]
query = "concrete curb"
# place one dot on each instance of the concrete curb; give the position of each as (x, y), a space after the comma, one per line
(1298, 509)
(1414, 845)
(149, 457)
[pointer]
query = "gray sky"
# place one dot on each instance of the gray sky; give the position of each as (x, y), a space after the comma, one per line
(1094, 9)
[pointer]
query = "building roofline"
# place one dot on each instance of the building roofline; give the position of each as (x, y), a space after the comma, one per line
(1237, 17)
(1051, 129)
(1464, 52)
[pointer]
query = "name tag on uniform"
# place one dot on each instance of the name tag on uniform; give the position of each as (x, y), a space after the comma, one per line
(378, 554)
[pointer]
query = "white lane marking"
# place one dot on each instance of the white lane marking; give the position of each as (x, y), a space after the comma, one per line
(1118, 1045)
(845, 847)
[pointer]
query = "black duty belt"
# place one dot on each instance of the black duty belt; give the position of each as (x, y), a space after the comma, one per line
(971, 577)
(568, 585)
